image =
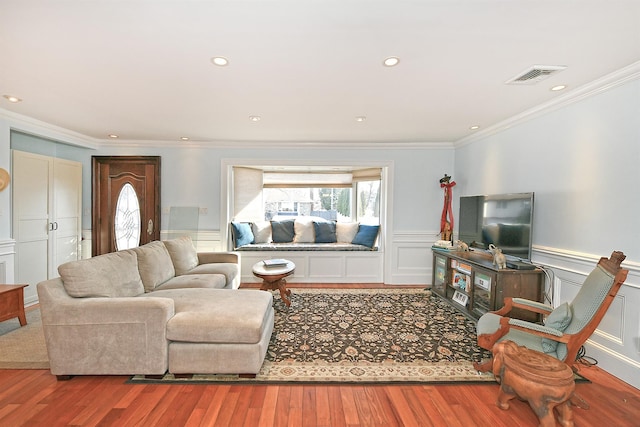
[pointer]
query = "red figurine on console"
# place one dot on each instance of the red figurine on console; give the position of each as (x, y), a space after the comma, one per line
(446, 221)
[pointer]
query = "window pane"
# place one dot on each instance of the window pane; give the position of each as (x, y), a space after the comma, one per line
(328, 203)
(368, 202)
(127, 220)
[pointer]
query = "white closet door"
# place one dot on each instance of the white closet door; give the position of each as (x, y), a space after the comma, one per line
(47, 208)
(67, 208)
(31, 197)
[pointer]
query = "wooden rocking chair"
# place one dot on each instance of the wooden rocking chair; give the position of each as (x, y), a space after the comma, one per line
(566, 327)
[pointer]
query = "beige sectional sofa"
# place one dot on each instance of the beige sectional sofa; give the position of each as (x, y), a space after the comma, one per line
(156, 308)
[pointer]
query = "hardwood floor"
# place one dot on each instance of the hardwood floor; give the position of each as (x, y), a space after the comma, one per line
(36, 398)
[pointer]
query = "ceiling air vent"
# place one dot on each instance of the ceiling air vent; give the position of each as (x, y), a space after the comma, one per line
(535, 74)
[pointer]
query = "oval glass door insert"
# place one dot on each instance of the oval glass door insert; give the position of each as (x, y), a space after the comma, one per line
(127, 220)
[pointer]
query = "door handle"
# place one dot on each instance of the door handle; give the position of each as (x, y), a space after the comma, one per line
(150, 227)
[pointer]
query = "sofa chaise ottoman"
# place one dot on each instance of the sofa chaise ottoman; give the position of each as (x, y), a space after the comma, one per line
(117, 314)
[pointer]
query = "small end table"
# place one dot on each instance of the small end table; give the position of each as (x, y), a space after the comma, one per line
(274, 278)
(542, 380)
(12, 303)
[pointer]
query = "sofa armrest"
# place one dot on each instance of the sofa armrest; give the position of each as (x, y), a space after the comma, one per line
(218, 257)
(104, 336)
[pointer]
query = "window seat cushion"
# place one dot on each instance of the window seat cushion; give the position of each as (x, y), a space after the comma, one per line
(304, 247)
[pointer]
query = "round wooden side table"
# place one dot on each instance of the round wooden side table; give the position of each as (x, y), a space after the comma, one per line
(273, 277)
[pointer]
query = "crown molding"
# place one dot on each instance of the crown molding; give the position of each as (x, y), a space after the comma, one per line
(603, 84)
(31, 126)
(334, 145)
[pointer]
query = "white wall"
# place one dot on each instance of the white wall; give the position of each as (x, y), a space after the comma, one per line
(191, 175)
(583, 163)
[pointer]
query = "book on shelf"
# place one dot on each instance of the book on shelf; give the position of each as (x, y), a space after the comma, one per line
(275, 262)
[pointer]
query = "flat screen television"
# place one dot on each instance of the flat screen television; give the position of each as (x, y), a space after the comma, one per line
(504, 220)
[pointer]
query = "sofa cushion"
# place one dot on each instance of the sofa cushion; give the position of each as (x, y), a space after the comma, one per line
(228, 269)
(207, 281)
(109, 275)
(282, 231)
(183, 254)
(154, 264)
(218, 315)
(325, 232)
(346, 231)
(242, 233)
(261, 231)
(366, 235)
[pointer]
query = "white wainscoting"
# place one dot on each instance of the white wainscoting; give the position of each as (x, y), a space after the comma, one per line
(410, 260)
(321, 266)
(616, 342)
(204, 241)
(7, 258)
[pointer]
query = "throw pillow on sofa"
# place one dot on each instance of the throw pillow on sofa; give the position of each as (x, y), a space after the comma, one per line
(242, 233)
(183, 254)
(366, 235)
(110, 275)
(154, 264)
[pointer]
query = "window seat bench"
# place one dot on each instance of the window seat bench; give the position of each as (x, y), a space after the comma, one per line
(304, 247)
(341, 261)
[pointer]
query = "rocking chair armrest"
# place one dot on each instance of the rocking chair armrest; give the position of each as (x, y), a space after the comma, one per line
(523, 304)
(531, 305)
(539, 330)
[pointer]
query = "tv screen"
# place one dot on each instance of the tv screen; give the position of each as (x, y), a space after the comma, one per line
(504, 220)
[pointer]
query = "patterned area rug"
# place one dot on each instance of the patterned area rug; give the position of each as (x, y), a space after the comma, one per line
(364, 336)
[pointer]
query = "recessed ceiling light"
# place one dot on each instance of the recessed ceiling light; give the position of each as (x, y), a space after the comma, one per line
(220, 61)
(113, 136)
(361, 118)
(255, 118)
(559, 87)
(184, 138)
(391, 61)
(474, 127)
(12, 98)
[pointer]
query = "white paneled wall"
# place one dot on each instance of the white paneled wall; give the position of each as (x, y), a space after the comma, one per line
(409, 258)
(7, 254)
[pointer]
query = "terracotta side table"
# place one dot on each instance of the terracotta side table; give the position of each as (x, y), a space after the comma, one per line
(12, 303)
(274, 278)
(543, 381)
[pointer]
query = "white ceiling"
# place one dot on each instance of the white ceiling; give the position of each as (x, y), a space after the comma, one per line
(142, 69)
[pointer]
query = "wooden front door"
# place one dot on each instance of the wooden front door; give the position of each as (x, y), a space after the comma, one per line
(125, 202)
